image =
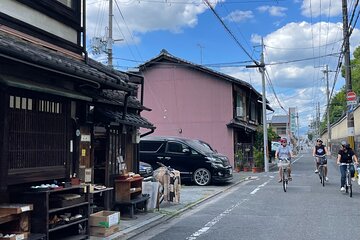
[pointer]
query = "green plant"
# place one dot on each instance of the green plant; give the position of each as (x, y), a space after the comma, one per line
(239, 158)
(258, 157)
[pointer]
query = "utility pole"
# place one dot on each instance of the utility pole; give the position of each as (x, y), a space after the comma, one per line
(261, 67)
(349, 115)
(110, 40)
(262, 70)
(326, 72)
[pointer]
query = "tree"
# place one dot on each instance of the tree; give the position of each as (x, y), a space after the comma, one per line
(338, 102)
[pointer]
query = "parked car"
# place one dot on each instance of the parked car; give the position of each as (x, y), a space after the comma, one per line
(195, 161)
(145, 169)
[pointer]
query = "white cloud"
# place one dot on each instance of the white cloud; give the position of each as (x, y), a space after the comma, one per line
(273, 10)
(142, 17)
(298, 83)
(315, 8)
(239, 16)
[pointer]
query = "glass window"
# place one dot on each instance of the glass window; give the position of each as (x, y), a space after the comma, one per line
(239, 106)
(150, 146)
(252, 111)
(176, 147)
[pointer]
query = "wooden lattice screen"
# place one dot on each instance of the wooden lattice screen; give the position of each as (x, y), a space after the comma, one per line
(38, 134)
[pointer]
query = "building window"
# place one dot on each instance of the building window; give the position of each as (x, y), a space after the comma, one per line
(252, 111)
(281, 131)
(21, 103)
(239, 106)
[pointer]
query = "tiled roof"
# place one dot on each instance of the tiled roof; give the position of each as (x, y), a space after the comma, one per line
(18, 49)
(280, 119)
(165, 55)
(111, 117)
(116, 97)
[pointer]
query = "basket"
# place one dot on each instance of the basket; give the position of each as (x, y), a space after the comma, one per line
(283, 163)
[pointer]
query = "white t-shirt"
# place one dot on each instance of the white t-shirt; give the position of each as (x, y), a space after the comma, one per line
(284, 152)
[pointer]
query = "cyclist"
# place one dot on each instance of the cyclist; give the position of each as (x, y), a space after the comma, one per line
(284, 151)
(346, 155)
(320, 150)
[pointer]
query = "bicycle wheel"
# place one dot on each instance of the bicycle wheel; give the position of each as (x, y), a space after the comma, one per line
(322, 175)
(350, 185)
(348, 182)
(285, 180)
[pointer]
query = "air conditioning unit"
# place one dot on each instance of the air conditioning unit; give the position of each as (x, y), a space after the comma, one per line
(239, 112)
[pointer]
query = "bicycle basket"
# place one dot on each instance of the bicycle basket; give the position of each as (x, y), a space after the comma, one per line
(283, 163)
(322, 160)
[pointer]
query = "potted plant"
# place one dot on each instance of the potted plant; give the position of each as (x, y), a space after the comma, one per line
(239, 160)
(258, 160)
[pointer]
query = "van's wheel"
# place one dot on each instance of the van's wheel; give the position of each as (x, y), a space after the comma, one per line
(202, 176)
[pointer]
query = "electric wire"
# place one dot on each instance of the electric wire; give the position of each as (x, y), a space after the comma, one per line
(229, 31)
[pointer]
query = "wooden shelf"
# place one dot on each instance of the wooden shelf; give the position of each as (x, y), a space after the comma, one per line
(53, 210)
(67, 225)
(45, 209)
(128, 189)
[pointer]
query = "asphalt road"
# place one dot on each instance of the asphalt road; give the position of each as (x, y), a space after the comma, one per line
(261, 210)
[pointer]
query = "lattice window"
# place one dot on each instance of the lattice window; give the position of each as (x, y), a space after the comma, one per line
(37, 133)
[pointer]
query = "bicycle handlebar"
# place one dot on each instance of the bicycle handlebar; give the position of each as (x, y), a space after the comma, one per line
(348, 164)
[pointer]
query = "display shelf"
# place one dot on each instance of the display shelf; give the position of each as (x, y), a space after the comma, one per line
(48, 206)
(68, 224)
(54, 210)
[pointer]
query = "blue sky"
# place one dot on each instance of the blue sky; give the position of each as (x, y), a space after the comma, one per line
(300, 37)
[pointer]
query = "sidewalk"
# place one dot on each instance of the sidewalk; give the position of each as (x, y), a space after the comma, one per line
(190, 196)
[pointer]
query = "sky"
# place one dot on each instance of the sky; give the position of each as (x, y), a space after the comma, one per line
(300, 38)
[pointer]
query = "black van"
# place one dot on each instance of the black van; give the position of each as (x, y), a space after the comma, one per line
(194, 161)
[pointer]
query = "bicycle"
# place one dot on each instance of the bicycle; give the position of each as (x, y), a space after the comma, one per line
(284, 163)
(322, 164)
(348, 183)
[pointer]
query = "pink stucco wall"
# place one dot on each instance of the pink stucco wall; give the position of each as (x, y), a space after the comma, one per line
(190, 104)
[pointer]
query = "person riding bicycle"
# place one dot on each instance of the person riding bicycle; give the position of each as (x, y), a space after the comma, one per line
(320, 150)
(346, 155)
(284, 151)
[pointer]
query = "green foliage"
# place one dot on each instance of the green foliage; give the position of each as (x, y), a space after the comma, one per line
(259, 136)
(258, 157)
(310, 136)
(239, 158)
(338, 101)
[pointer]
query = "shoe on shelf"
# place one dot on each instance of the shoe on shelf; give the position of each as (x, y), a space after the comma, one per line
(316, 171)
(342, 189)
(326, 179)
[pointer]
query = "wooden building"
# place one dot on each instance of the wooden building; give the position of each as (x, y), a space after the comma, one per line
(60, 111)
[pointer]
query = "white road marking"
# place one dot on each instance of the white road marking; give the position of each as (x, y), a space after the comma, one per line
(260, 186)
(214, 221)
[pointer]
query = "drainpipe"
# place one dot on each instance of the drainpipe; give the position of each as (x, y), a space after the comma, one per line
(147, 133)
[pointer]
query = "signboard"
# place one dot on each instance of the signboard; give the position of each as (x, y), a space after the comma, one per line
(351, 98)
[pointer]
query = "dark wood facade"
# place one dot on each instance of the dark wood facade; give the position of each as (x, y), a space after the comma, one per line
(49, 93)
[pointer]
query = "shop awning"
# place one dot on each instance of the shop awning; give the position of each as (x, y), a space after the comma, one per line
(113, 117)
(43, 88)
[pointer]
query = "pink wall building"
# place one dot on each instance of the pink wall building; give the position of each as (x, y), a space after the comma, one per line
(192, 101)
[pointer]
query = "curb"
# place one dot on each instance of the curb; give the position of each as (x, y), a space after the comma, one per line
(163, 218)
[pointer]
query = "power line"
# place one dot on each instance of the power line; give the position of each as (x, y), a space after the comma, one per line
(229, 31)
